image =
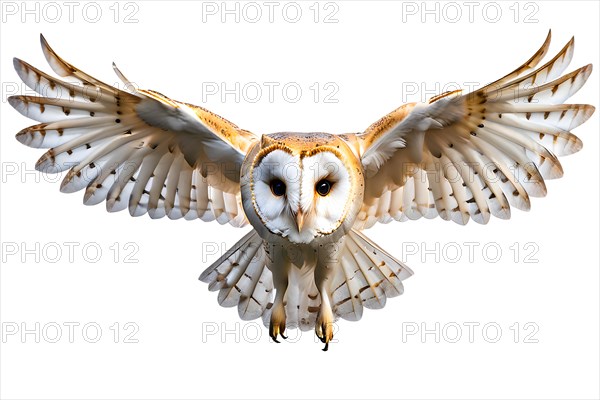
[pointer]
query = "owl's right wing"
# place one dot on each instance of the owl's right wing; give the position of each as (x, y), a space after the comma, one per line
(138, 150)
(471, 156)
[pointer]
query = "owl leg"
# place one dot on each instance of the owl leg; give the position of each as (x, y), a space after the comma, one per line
(280, 269)
(323, 276)
(277, 324)
(324, 324)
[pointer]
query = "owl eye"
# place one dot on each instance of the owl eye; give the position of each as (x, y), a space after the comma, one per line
(323, 187)
(277, 187)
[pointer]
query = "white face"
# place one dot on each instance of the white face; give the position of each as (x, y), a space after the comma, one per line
(301, 199)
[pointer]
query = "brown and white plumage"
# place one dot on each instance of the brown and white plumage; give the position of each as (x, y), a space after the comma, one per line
(140, 150)
(472, 156)
(306, 263)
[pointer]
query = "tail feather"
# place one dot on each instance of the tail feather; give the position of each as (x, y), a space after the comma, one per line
(367, 277)
(242, 278)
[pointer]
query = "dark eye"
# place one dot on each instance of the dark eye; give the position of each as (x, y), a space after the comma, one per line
(277, 187)
(323, 187)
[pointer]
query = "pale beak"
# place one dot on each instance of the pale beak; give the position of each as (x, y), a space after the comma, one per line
(299, 219)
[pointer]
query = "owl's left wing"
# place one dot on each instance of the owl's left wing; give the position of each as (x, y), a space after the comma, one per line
(474, 155)
(135, 149)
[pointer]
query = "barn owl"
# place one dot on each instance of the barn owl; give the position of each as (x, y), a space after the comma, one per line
(307, 196)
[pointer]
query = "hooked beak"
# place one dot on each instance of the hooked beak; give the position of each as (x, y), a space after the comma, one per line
(299, 219)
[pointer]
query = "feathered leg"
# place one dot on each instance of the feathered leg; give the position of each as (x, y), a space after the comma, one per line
(279, 264)
(328, 262)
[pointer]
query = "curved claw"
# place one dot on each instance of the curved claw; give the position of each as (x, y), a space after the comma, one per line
(324, 331)
(277, 324)
(273, 332)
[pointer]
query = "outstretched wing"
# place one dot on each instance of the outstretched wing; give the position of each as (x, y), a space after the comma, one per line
(473, 155)
(138, 150)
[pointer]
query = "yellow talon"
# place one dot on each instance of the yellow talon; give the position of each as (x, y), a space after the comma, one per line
(277, 324)
(324, 328)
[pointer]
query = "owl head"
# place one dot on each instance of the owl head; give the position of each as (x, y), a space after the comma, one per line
(302, 187)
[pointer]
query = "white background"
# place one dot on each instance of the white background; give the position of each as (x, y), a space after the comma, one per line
(371, 53)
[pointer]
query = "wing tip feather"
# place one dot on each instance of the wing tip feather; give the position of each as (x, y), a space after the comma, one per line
(18, 64)
(15, 101)
(23, 135)
(57, 64)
